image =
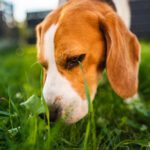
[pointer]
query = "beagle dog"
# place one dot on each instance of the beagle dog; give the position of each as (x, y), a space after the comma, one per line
(90, 32)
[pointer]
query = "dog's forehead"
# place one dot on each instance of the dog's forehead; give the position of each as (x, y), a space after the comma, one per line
(73, 31)
(77, 29)
(70, 15)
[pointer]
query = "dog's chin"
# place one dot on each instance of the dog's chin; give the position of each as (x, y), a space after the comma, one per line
(76, 114)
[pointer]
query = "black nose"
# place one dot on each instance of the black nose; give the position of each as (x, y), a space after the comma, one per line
(55, 112)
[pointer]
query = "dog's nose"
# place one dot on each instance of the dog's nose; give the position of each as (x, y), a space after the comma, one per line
(55, 112)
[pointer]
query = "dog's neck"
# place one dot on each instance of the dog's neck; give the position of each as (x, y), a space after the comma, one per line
(120, 6)
(110, 2)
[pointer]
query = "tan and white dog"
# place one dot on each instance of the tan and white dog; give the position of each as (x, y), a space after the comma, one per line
(89, 31)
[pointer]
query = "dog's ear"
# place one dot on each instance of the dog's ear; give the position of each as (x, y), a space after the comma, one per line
(123, 54)
(38, 36)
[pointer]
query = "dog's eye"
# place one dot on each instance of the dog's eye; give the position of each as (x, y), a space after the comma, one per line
(74, 61)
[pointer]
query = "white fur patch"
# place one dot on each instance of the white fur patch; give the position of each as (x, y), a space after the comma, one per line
(123, 10)
(56, 85)
(61, 2)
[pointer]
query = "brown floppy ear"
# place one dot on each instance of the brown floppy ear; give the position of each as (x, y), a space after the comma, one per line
(38, 36)
(39, 43)
(123, 54)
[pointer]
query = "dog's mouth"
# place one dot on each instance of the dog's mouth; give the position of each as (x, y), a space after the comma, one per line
(68, 116)
(55, 113)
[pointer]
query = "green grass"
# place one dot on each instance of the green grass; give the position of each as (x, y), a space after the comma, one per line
(112, 123)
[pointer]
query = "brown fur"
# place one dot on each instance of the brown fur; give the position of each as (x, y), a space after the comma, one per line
(93, 28)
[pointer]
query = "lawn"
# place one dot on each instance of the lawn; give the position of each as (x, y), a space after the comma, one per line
(115, 124)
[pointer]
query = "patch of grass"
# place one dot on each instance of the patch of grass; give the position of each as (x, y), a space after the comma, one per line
(118, 125)
(91, 122)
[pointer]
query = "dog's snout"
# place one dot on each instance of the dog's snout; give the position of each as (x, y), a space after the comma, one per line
(57, 99)
(55, 113)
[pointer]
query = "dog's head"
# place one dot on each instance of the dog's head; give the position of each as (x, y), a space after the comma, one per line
(92, 33)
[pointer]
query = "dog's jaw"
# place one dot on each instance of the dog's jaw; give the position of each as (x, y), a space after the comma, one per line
(56, 85)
